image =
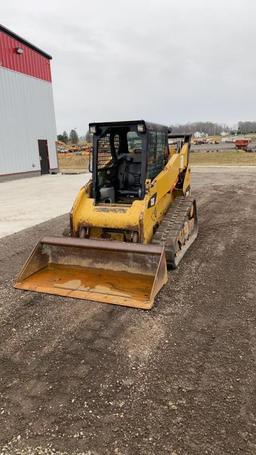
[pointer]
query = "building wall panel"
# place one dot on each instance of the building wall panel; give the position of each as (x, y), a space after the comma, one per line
(30, 62)
(26, 115)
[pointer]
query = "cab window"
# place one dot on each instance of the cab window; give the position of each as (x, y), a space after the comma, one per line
(157, 153)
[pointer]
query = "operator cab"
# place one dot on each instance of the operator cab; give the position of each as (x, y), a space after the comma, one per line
(122, 160)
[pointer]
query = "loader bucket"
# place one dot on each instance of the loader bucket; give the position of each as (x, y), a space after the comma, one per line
(98, 270)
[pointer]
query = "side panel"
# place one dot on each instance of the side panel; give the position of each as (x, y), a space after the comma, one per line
(161, 193)
(26, 115)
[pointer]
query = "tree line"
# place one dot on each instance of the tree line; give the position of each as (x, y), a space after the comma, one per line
(246, 127)
(213, 129)
(209, 128)
(72, 138)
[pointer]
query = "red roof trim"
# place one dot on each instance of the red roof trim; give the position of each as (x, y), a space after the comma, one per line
(23, 41)
(29, 61)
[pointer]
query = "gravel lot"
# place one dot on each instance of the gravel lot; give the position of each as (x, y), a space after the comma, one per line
(80, 377)
(221, 146)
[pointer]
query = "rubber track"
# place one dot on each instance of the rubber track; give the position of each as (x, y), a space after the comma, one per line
(169, 229)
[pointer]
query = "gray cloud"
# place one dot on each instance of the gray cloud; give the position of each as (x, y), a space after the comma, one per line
(161, 60)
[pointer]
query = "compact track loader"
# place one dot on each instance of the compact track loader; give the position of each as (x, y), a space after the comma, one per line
(131, 221)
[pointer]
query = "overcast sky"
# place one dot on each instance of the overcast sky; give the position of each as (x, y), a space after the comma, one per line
(168, 61)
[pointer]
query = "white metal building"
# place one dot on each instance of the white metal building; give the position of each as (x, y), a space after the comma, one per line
(27, 119)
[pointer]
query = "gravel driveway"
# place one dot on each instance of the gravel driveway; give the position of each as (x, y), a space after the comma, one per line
(79, 377)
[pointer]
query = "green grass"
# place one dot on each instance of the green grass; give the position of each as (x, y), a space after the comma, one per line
(225, 158)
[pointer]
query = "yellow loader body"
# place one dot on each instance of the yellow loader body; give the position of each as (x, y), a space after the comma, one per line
(141, 216)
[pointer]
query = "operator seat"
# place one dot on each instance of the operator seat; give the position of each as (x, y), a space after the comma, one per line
(129, 171)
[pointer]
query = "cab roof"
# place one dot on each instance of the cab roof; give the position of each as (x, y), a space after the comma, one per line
(148, 125)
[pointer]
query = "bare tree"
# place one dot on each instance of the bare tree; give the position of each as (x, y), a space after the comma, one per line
(246, 127)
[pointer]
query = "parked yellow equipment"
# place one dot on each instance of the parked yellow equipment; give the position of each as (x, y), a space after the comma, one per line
(133, 219)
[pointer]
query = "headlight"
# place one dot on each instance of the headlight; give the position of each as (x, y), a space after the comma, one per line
(93, 129)
(141, 128)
